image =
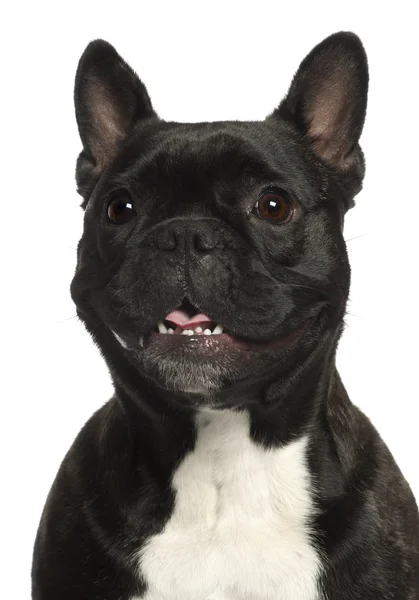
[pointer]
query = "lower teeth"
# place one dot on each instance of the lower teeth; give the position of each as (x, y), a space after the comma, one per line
(191, 332)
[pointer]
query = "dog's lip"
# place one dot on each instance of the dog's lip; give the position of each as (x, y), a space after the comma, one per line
(281, 342)
(224, 339)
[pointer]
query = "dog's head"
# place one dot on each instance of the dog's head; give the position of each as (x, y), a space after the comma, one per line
(212, 255)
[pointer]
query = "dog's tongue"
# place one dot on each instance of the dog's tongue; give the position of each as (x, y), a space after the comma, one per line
(182, 319)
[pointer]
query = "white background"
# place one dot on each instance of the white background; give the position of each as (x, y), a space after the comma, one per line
(200, 61)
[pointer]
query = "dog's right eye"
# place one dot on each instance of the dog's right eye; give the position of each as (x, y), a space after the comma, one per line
(120, 209)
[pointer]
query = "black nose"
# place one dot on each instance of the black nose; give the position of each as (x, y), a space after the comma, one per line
(187, 234)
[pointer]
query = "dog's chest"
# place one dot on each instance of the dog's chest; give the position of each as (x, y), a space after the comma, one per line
(241, 523)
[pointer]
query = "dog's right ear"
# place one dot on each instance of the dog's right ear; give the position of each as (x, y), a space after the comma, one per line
(109, 99)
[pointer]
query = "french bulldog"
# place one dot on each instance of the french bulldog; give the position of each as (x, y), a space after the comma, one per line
(213, 276)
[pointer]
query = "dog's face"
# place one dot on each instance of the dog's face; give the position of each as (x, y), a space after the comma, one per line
(212, 255)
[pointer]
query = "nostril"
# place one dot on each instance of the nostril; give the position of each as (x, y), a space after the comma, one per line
(205, 241)
(166, 240)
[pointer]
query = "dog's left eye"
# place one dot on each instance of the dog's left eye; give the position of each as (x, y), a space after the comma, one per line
(120, 209)
(275, 206)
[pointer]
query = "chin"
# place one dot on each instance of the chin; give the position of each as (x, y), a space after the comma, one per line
(187, 354)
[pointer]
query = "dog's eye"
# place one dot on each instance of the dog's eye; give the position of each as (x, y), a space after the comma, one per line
(120, 209)
(275, 207)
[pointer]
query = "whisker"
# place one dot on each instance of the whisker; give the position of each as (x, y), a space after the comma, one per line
(356, 237)
(131, 301)
(67, 319)
(331, 298)
(123, 289)
(354, 315)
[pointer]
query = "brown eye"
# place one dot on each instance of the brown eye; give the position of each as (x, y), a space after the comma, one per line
(275, 207)
(120, 209)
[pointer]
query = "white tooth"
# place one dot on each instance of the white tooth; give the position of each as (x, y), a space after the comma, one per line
(185, 332)
(207, 332)
(190, 331)
(198, 330)
(170, 330)
(218, 329)
(162, 328)
(141, 340)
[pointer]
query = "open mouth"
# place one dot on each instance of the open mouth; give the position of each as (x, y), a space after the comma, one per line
(186, 326)
(187, 320)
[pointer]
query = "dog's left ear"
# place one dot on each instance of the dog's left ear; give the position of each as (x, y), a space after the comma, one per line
(327, 100)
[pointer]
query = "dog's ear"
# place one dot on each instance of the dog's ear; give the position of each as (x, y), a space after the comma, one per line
(327, 100)
(109, 100)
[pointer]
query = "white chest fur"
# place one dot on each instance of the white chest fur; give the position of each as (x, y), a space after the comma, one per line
(240, 527)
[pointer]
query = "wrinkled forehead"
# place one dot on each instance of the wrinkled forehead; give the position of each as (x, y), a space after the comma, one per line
(202, 155)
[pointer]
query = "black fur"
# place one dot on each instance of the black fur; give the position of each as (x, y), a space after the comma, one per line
(197, 238)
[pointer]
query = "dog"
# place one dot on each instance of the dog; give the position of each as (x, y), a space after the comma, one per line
(213, 276)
